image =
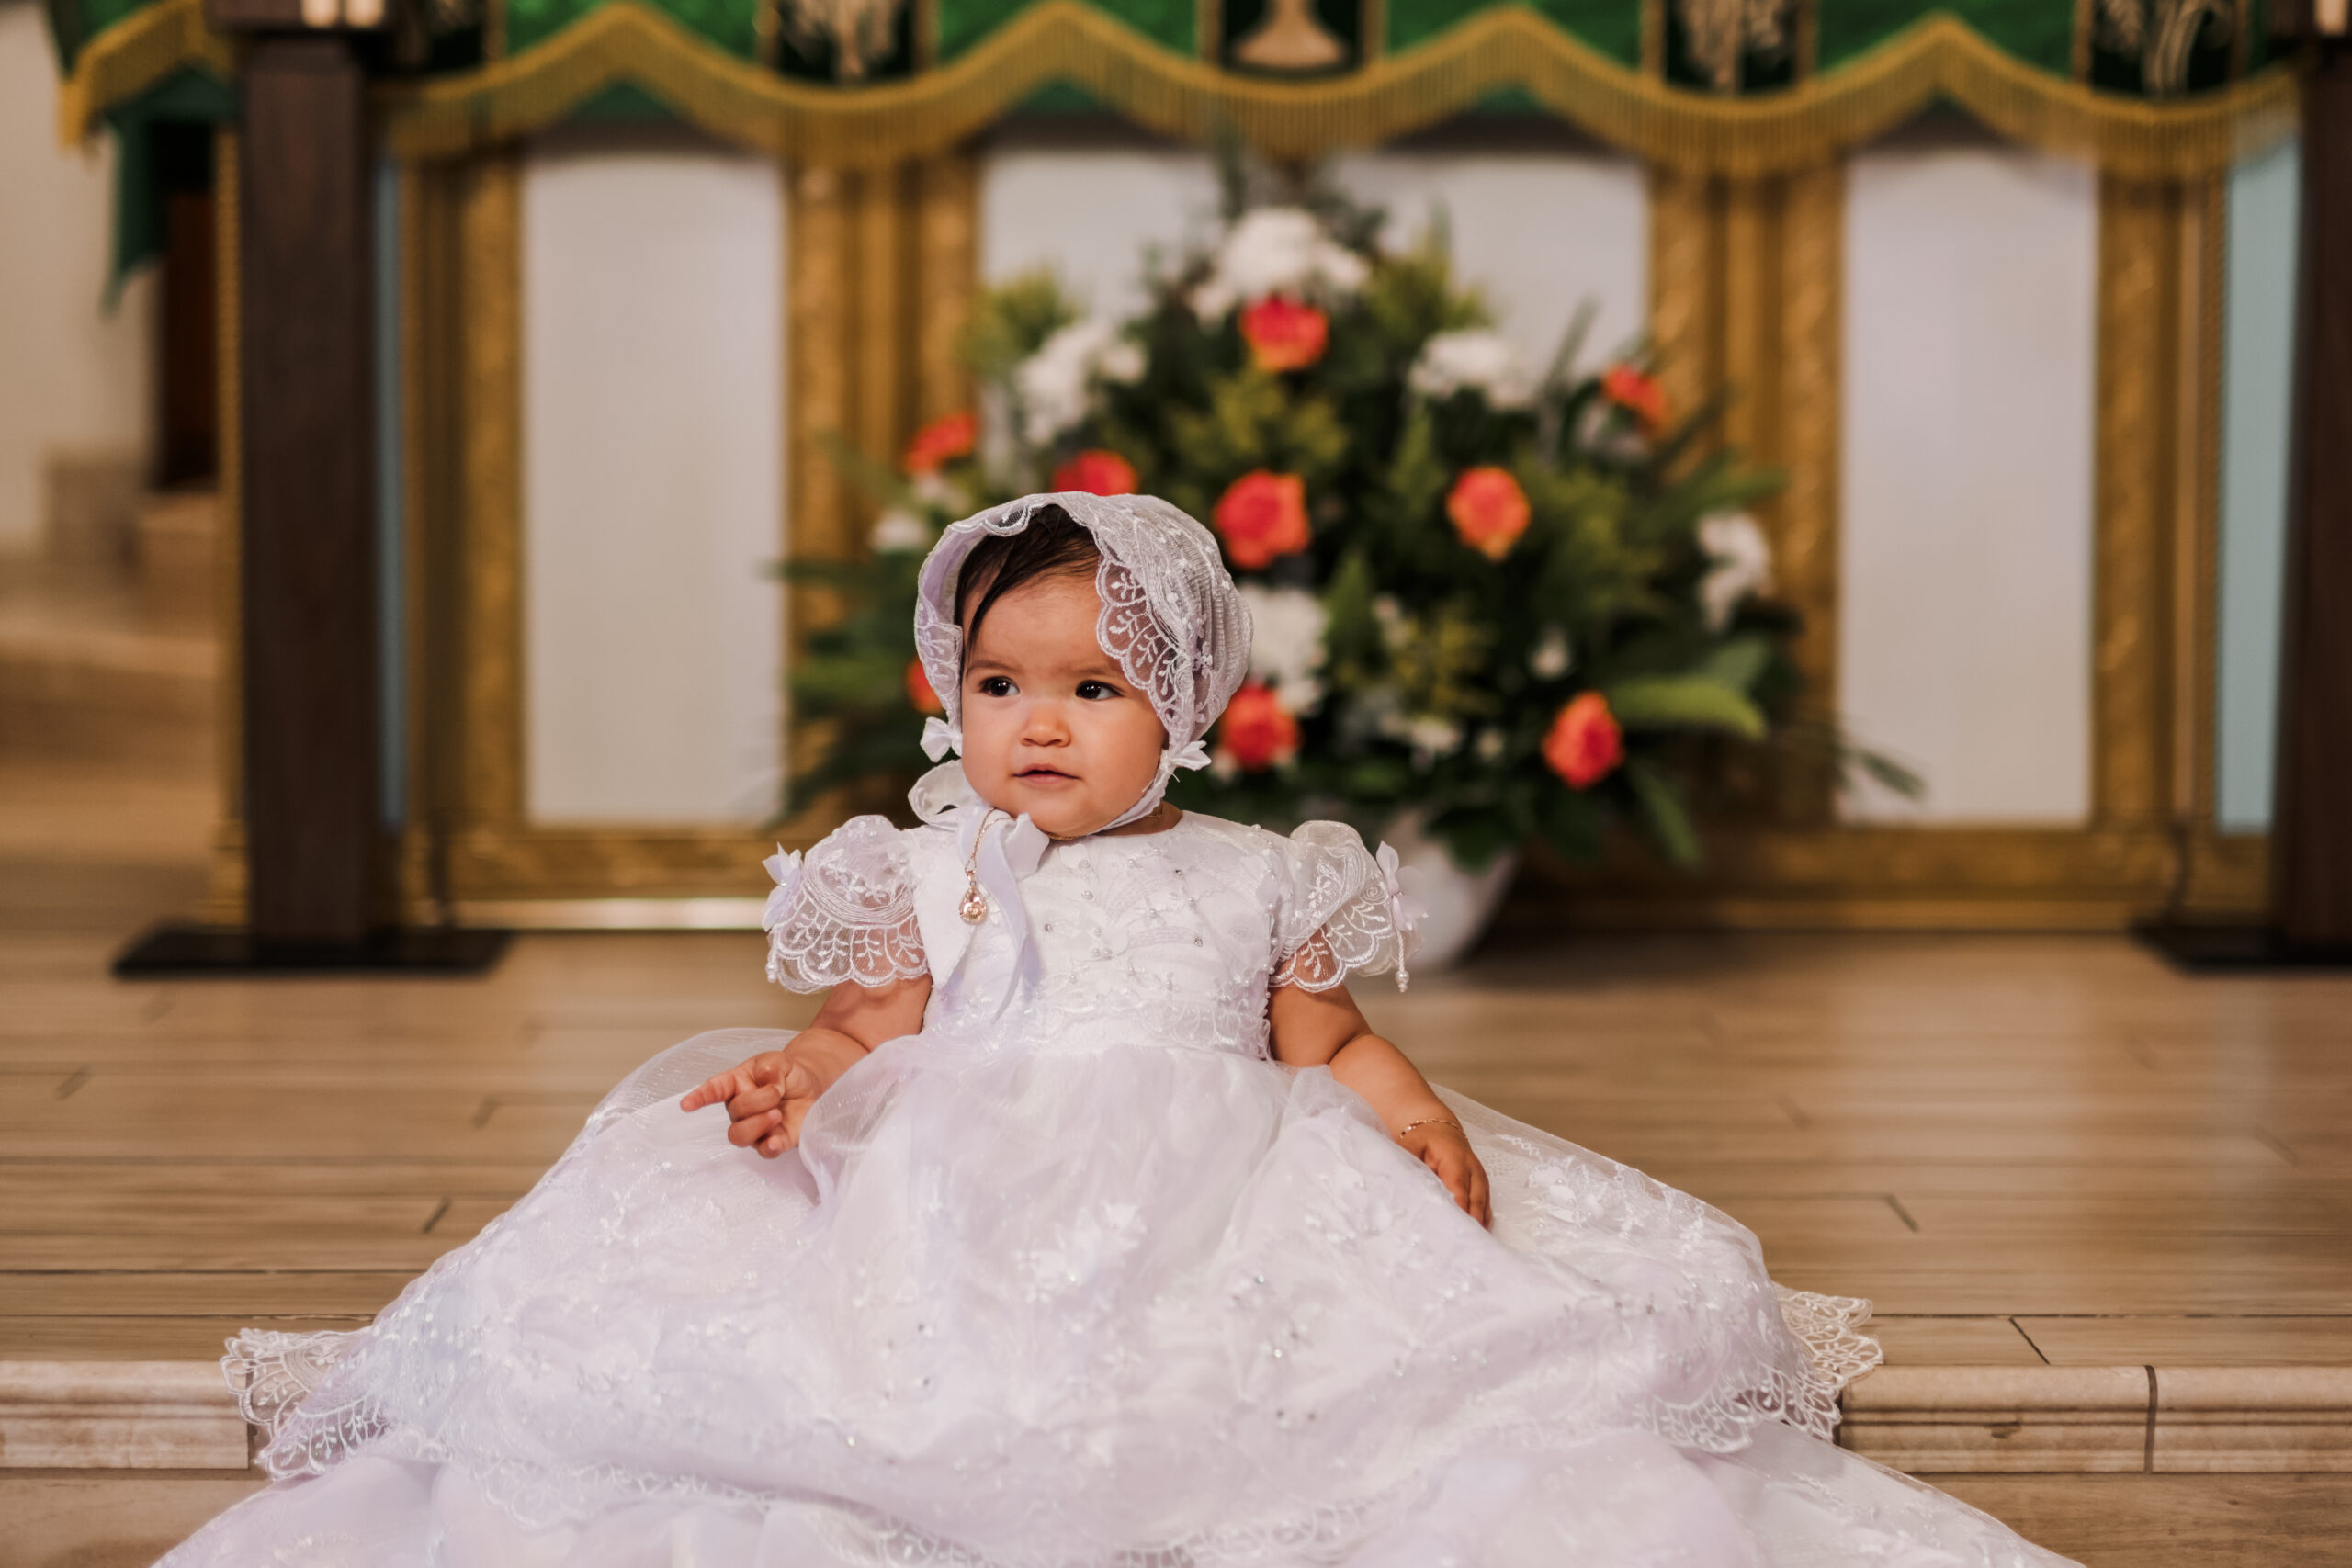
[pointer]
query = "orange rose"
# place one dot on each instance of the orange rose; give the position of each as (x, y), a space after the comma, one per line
(1097, 472)
(918, 690)
(1262, 515)
(1489, 511)
(1256, 732)
(1638, 394)
(942, 441)
(1284, 334)
(1584, 744)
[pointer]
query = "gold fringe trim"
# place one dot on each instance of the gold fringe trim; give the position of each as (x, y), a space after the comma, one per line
(135, 55)
(1065, 40)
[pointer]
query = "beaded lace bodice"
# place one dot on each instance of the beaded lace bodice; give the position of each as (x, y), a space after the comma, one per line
(1172, 937)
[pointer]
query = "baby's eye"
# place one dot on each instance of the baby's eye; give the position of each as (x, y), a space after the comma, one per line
(1096, 691)
(995, 686)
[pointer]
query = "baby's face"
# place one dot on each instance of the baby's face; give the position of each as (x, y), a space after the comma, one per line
(1052, 726)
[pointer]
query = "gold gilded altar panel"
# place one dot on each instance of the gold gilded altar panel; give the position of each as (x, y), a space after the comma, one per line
(1746, 298)
(1746, 310)
(2138, 306)
(880, 269)
(1746, 307)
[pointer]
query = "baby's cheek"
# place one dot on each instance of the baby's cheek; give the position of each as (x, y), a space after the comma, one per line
(1136, 742)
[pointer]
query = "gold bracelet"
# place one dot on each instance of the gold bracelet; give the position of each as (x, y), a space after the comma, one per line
(1429, 1122)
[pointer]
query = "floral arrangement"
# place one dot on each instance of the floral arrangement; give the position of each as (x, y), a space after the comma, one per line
(1509, 599)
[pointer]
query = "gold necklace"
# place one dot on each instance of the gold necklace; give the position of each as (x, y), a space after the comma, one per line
(975, 907)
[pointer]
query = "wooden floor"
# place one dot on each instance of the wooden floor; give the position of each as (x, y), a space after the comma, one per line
(2025, 1150)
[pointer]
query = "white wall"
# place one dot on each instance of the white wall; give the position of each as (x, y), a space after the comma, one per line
(1965, 621)
(1087, 215)
(1538, 231)
(74, 380)
(653, 356)
(2257, 396)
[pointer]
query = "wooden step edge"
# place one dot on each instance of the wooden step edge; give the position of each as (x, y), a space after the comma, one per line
(2155, 1420)
(118, 1416)
(1927, 1420)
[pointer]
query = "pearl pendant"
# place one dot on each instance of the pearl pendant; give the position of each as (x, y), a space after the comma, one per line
(975, 907)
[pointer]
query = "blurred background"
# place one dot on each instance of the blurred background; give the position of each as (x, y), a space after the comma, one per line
(2020, 352)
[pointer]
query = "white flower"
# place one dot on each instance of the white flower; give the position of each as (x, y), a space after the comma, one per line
(1551, 658)
(1276, 250)
(1478, 361)
(897, 530)
(935, 489)
(1742, 565)
(1122, 363)
(1286, 643)
(1430, 736)
(1053, 384)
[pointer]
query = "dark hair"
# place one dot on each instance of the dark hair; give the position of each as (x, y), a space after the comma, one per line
(1051, 545)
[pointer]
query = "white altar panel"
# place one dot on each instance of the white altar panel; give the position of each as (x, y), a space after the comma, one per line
(1088, 213)
(1539, 232)
(1966, 517)
(652, 483)
(2257, 394)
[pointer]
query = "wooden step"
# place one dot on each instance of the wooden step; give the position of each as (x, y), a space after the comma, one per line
(2157, 1420)
(84, 673)
(106, 1464)
(104, 1416)
(179, 560)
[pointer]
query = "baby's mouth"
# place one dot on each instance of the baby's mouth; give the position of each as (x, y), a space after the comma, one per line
(1043, 775)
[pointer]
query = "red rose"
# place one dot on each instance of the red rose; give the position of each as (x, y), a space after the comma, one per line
(918, 690)
(1097, 472)
(1284, 334)
(1638, 394)
(942, 441)
(1489, 511)
(1256, 732)
(1262, 515)
(1584, 744)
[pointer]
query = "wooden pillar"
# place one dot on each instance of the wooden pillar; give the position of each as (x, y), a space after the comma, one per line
(308, 563)
(2312, 819)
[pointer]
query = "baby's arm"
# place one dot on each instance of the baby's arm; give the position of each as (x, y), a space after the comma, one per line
(769, 1096)
(1315, 1028)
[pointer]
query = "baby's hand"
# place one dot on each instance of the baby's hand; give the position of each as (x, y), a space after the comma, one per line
(767, 1098)
(1445, 1149)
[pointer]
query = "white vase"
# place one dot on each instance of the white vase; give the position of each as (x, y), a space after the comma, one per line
(1456, 905)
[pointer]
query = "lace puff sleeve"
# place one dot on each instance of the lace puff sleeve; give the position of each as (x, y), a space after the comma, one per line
(1344, 913)
(845, 913)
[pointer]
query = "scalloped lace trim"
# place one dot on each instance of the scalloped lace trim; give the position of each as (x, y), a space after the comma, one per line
(847, 914)
(1360, 935)
(1830, 1327)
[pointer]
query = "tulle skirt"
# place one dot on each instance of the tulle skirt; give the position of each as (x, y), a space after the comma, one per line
(1085, 1304)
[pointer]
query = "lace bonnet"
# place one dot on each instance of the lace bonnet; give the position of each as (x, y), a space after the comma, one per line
(1170, 616)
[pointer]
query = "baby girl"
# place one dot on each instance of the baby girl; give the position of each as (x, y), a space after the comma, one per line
(1095, 1225)
(1056, 732)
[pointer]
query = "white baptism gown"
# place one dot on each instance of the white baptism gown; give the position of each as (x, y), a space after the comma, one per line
(1078, 1276)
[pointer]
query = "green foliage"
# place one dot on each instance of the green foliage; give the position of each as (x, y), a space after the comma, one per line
(1441, 667)
(1684, 702)
(1010, 322)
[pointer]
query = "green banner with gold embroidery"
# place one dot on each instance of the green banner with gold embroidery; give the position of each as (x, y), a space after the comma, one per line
(2147, 88)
